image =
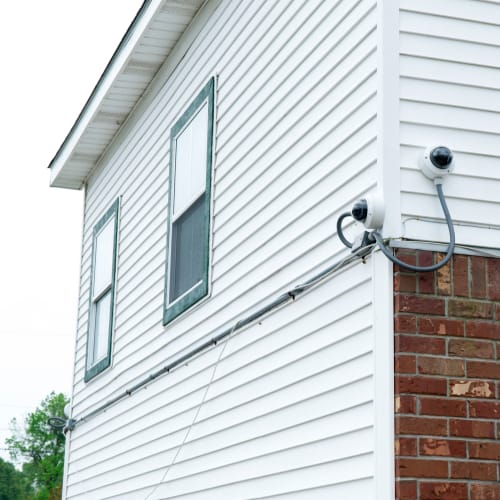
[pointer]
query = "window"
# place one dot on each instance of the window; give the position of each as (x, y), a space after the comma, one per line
(102, 288)
(188, 240)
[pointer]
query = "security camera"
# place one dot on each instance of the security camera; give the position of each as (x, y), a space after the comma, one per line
(370, 211)
(436, 162)
(67, 410)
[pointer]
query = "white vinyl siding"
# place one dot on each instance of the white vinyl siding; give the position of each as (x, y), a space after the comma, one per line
(450, 89)
(290, 411)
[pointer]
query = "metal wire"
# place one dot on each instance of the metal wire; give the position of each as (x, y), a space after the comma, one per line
(274, 304)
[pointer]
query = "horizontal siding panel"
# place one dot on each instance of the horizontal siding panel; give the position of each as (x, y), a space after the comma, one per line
(485, 12)
(450, 94)
(462, 211)
(453, 117)
(449, 28)
(422, 68)
(450, 50)
(469, 141)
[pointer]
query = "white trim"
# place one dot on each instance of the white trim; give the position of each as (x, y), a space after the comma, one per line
(170, 304)
(440, 247)
(388, 156)
(383, 348)
(389, 186)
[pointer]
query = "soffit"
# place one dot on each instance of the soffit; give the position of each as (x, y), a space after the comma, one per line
(149, 40)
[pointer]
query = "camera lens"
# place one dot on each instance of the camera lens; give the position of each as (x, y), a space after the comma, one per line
(441, 157)
(360, 210)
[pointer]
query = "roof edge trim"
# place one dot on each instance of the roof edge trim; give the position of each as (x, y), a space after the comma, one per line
(117, 62)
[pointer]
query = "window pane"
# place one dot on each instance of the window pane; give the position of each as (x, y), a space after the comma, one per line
(186, 263)
(103, 265)
(101, 328)
(191, 161)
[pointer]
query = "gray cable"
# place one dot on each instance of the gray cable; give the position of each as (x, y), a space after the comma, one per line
(340, 232)
(449, 252)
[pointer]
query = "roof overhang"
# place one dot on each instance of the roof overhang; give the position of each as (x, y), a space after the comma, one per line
(149, 40)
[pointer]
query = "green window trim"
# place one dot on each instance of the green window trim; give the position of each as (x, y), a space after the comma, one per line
(94, 368)
(174, 308)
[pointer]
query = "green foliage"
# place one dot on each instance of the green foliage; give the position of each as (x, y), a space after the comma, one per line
(40, 448)
(12, 483)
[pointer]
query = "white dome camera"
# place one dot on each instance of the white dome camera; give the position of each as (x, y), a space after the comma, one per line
(370, 211)
(436, 162)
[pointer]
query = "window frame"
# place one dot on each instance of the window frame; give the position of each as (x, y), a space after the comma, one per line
(105, 362)
(201, 289)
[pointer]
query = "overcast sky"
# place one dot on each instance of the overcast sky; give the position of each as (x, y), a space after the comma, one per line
(52, 54)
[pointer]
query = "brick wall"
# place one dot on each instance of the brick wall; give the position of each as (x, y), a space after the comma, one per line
(447, 379)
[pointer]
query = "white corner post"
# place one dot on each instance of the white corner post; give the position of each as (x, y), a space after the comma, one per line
(388, 182)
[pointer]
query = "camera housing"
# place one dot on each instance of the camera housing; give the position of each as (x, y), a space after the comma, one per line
(370, 211)
(437, 162)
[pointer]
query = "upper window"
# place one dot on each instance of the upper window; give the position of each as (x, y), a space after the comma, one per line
(188, 241)
(102, 288)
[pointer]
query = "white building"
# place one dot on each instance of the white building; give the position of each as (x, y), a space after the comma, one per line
(217, 151)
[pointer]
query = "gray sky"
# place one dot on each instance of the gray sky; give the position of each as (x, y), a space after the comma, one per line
(52, 54)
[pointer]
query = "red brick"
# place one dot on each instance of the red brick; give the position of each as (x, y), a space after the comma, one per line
(472, 428)
(418, 467)
(443, 277)
(472, 389)
(405, 282)
(442, 447)
(483, 329)
(405, 363)
(493, 275)
(405, 323)
(461, 275)
(414, 384)
(441, 326)
(467, 348)
(406, 447)
(483, 471)
(406, 490)
(420, 344)
(443, 491)
(407, 256)
(405, 404)
(443, 407)
(470, 309)
(425, 258)
(419, 304)
(485, 491)
(485, 450)
(483, 369)
(484, 409)
(426, 283)
(478, 277)
(421, 426)
(441, 366)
